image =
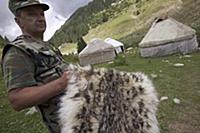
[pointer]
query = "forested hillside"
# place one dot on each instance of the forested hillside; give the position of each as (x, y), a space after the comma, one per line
(90, 16)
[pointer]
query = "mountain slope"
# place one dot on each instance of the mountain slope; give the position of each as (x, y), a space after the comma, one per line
(82, 20)
(130, 28)
(90, 16)
(127, 21)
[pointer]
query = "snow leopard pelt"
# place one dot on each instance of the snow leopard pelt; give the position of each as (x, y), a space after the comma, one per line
(108, 101)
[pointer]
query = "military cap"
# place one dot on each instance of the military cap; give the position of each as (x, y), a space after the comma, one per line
(14, 5)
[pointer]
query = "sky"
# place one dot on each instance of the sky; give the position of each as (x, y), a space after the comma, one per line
(59, 12)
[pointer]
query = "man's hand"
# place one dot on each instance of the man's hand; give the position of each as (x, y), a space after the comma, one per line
(63, 80)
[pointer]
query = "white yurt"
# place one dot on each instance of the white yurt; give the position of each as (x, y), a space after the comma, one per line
(167, 37)
(97, 51)
(119, 46)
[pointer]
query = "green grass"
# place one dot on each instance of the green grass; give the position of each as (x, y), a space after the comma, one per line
(68, 48)
(182, 83)
(16, 122)
(175, 82)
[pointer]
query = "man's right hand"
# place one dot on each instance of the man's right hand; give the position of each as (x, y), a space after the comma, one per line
(63, 80)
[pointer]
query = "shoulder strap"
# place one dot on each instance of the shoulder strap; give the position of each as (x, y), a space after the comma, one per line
(9, 45)
(18, 43)
(24, 43)
(31, 48)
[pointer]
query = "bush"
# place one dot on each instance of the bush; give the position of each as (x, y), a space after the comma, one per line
(120, 60)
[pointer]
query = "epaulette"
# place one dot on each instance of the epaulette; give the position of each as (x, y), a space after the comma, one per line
(18, 42)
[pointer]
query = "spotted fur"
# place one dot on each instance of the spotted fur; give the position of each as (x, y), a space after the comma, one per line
(108, 101)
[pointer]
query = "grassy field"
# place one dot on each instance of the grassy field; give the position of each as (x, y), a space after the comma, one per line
(68, 48)
(174, 82)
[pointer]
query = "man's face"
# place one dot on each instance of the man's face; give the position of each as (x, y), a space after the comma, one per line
(32, 20)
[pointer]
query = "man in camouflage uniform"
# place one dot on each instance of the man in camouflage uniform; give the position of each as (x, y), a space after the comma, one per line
(33, 70)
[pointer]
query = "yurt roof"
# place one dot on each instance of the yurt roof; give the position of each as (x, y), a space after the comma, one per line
(166, 31)
(114, 42)
(96, 45)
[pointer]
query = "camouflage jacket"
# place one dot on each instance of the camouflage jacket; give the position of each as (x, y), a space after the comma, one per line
(28, 62)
